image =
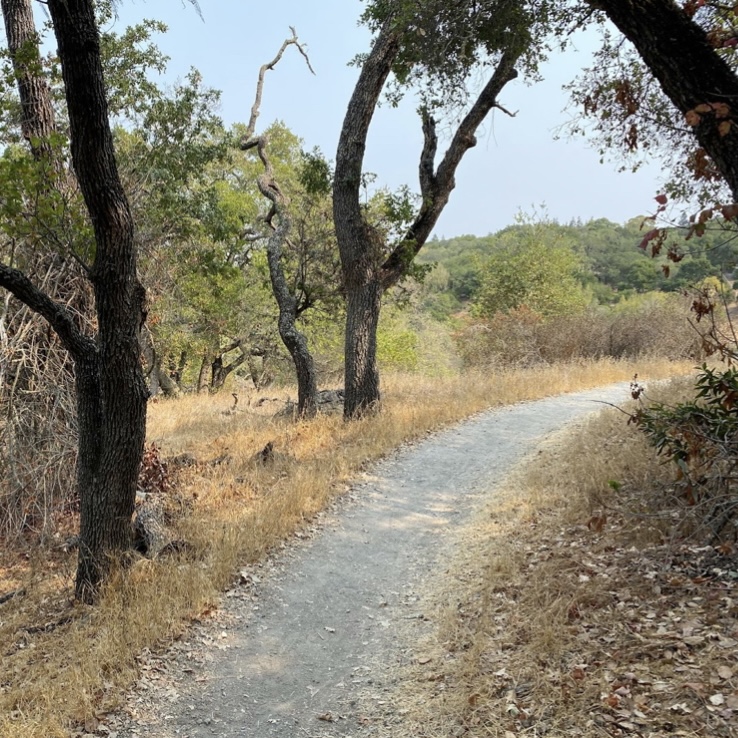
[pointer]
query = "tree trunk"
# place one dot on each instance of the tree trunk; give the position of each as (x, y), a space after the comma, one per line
(168, 386)
(114, 373)
(691, 72)
(202, 376)
(356, 243)
(362, 376)
(37, 112)
(111, 392)
(294, 341)
(367, 269)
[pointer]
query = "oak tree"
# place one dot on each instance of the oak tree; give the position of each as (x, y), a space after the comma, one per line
(111, 393)
(435, 48)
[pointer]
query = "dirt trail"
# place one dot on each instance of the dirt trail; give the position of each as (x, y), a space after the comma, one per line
(298, 645)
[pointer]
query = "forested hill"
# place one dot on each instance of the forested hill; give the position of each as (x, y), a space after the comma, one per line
(610, 262)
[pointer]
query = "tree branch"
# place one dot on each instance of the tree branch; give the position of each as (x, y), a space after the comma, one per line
(427, 172)
(247, 142)
(436, 187)
(56, 314)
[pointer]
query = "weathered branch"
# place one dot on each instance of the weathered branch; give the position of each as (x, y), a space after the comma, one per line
(288, 306)
(505, 110)
(247, 141)
(56, 314)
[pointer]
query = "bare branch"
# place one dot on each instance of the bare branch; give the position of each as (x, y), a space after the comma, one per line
(505, 110)
(247, 141)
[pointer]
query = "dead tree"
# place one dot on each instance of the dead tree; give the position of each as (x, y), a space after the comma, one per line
(279, 222)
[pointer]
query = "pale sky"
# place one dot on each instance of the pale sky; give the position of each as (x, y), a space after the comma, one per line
(516, 166)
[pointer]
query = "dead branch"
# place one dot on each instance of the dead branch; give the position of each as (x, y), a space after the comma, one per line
(247, 142)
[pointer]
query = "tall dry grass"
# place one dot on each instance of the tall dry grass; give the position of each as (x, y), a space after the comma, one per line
(61, 664)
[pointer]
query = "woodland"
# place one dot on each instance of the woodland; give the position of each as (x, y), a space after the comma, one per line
(151, 256)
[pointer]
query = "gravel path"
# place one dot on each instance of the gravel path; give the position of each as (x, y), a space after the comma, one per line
(297, 646)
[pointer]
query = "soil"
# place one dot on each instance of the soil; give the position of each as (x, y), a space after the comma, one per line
(305, 641)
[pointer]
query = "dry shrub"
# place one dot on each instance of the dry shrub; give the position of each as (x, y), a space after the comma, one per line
(656, 325)
(38, 407)
(238, 509)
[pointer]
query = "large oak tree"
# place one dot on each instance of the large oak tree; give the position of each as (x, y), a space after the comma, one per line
(437, 49)
(111, 393)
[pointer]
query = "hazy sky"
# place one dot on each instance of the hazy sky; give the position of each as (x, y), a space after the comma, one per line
(516, 166)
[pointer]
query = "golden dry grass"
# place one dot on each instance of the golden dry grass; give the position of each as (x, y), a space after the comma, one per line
(62, 664)
(564, 614)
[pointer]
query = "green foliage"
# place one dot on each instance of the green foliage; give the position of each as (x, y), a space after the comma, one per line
(397, 343)
(442, 43)
(529, 268)
(315, 173)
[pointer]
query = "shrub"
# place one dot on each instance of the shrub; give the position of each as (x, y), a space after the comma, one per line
(654, 325)
(700, 436)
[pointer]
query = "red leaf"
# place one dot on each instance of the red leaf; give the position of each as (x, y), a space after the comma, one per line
(653, 233)
(661, 199)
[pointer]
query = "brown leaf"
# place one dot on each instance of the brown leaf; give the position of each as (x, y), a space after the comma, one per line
(724, 127)
(327, 717)
(725, 672)
(473, 699)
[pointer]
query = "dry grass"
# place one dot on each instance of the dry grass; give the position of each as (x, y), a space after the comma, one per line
(566, 615)
(62, 664)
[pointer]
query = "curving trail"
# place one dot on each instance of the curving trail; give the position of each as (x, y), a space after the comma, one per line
(297, 645)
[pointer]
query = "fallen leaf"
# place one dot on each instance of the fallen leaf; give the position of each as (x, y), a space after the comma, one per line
(327, 717)
(717, 699)
(725, 672)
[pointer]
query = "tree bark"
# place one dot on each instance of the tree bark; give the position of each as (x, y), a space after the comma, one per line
(367, 269)
(357, 244)
(111, 389)
(37, 112)
(689, 69)
(294, 341)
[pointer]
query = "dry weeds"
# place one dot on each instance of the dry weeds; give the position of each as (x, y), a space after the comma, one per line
(63, 665)
(566, 614)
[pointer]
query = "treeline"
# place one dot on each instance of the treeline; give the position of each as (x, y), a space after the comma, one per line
(599, 261)
(540, 291)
